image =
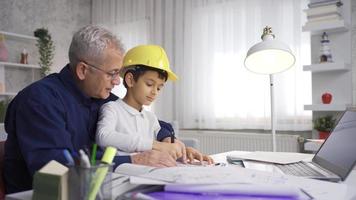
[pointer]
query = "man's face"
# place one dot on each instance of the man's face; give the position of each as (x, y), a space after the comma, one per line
(102, 77)
(147, 88)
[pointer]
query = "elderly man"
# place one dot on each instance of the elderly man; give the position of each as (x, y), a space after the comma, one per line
(61, 110)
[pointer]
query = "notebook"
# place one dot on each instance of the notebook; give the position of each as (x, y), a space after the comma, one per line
(334, 160)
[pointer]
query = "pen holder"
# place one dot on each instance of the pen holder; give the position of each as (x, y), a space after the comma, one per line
(90, 183)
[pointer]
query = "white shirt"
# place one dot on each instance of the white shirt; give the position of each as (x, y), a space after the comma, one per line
(126, 128)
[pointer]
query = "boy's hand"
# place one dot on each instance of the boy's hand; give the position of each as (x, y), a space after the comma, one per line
(195, 154)
(176, 150)
(182, 146)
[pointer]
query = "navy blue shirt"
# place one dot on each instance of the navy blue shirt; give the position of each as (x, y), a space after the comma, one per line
(46, 117)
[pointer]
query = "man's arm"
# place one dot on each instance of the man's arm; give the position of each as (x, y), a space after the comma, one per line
(165, 131)
(40, 129)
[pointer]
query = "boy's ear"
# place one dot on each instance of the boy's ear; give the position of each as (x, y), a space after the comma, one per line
(129, 79)
(81, 70)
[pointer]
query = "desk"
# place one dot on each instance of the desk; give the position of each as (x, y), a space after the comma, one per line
(350, 181)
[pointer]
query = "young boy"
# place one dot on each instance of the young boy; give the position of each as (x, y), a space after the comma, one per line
(125, 124)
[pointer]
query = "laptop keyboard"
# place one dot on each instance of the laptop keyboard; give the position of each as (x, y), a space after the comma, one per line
(299, 169)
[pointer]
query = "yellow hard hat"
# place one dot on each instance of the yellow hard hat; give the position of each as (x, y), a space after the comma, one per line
(149, 55)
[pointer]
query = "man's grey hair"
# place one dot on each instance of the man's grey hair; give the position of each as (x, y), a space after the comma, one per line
(90, 42)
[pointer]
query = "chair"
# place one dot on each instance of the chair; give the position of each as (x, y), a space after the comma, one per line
(2, 183)
(190, 142)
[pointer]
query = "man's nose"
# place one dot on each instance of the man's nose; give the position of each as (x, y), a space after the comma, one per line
(116, 81)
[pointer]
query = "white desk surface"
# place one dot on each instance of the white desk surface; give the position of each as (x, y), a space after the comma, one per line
(350, 181)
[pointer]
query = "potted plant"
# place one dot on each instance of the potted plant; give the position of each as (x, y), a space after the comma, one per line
(45, 48)
(3, 107)
(324, 125)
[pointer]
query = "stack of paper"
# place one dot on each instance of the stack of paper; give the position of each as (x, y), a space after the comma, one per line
(241, 180)
(51, 182)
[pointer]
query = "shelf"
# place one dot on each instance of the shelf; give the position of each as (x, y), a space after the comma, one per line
(16, 35)
(326, 107)
(324, 67)
(8, 94)
(9, 64)
(325, 26)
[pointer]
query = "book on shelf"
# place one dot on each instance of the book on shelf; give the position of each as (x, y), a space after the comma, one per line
(319, 3)
(325, 18)
(324, 15)
(311, 24)
(322, 10)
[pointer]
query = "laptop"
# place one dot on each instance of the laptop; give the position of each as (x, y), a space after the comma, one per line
(334, 160)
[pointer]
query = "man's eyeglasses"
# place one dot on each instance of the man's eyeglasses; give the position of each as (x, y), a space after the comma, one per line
(112, 74)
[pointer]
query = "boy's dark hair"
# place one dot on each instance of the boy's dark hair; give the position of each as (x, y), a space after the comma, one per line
(139, 70)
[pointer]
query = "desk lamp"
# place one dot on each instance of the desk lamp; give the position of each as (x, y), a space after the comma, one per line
(269, 57)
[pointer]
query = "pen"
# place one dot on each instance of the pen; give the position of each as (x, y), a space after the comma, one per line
(93, 154)
(172, 137)
(68, 157)
(220, 164)
(84, 160)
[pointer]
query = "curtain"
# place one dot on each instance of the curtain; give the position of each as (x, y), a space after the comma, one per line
(207, 41)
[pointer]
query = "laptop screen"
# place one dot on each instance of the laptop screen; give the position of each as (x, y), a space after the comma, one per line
(338, 153)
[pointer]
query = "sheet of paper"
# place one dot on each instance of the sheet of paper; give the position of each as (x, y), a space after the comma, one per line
(316, 188)
(133, 170)
(272, 157)
(145, 181)
(196, 175)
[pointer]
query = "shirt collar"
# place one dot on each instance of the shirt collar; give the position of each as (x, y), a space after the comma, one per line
(68, 80)
(130, 109)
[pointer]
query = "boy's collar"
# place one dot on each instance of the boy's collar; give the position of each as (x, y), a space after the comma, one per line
(130, 109)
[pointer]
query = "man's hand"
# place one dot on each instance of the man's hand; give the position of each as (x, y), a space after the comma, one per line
(154, 158)
(176, 149)
(195, 154)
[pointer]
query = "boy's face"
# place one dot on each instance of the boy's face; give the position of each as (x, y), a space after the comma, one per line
(147, 88)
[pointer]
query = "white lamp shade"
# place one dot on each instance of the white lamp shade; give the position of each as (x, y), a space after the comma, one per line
(269, 57)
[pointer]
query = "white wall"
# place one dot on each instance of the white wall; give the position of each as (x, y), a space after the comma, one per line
(353, 38)
(61, 17)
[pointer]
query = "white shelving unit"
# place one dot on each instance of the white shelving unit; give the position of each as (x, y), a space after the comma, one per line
(10, 35)
(326, 67)
(8, 94)
(14, 76)
(9, 64)
(326, 107)
(335, 77)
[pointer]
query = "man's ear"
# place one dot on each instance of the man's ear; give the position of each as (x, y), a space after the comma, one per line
(129, 79)
(80, 70)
